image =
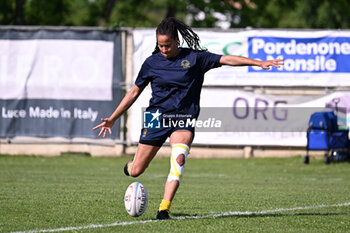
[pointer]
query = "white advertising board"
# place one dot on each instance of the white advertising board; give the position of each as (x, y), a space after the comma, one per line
(56, 69)
(311, 58)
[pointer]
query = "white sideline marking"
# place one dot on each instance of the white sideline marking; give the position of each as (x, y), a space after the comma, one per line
(226, 214)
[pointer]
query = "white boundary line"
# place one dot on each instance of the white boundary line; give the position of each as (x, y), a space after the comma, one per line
(225, 214)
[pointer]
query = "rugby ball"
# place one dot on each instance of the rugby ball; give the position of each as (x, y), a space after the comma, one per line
(136, 199)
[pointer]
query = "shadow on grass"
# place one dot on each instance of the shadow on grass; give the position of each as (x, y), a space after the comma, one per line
(180, 216)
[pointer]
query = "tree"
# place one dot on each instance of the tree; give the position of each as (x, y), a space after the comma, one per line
(19, 12)
(196, 13)
(297, 14)
(53, 12)
(6, 10)
(107, 10)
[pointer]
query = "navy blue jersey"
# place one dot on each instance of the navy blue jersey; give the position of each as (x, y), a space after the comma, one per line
(176, 82)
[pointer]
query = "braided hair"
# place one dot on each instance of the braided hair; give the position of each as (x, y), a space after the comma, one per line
(171, 26)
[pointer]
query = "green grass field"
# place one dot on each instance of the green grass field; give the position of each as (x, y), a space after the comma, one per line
(84, 194)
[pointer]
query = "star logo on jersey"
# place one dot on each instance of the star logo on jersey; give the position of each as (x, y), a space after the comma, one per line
(185, 64)
(151, 119)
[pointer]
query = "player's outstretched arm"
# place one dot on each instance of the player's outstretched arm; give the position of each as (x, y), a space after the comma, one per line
(232, 60)
(124, 105)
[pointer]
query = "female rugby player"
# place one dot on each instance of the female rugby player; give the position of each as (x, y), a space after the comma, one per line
(176, 76)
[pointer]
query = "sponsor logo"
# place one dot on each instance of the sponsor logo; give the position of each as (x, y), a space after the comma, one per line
(231, 48)
(325, 54)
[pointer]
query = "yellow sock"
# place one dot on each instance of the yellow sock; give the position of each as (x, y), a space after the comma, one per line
(165, 205)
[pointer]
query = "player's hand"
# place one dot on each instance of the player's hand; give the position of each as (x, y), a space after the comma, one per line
(105, 126)
(276, 63)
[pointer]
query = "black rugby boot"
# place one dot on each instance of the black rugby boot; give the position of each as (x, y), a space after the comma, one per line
(163, 215)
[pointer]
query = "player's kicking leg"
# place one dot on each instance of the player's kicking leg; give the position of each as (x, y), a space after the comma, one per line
(180, 142)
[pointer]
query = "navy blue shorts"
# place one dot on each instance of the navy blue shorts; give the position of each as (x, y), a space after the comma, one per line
(157, 137)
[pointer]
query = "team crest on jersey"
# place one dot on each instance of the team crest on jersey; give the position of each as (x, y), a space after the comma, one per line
(185, 64)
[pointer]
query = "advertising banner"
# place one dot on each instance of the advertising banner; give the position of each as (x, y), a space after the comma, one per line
(312, 58)
(233, 117)
(58, 83)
